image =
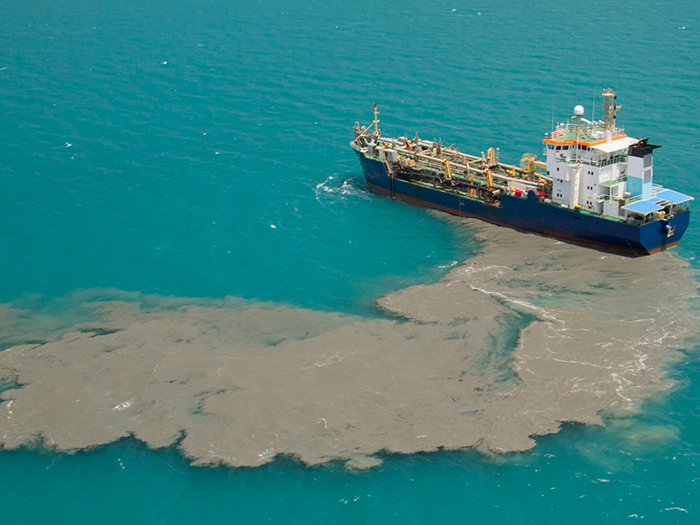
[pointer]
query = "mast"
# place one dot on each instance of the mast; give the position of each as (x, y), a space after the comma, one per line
(578, 113)
(376, 119)
(610, 109)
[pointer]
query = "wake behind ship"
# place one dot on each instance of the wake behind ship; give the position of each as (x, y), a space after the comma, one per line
(596, 186)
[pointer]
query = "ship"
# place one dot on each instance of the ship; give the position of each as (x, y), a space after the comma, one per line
(595, 186)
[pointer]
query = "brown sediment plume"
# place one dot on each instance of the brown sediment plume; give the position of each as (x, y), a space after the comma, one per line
(237, 383)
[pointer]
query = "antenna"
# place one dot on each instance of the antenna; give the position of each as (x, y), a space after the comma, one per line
(552, 128)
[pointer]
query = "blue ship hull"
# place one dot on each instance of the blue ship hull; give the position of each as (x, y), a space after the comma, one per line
(531, 215)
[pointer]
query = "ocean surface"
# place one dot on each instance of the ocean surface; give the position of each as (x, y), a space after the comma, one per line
(199, 150)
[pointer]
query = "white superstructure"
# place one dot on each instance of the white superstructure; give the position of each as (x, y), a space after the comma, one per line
(596, 167)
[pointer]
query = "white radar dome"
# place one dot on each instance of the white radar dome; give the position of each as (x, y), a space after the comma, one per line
(578, 110)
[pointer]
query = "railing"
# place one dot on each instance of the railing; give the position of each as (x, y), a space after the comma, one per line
(614, 160)
(655, 189)
(614, 181)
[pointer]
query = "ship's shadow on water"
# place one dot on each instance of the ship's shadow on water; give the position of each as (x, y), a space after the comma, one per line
(527, 335)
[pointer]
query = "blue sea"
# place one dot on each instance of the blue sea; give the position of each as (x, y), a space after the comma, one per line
(200, 150)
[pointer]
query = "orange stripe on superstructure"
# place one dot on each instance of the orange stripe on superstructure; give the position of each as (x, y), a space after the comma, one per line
(559, 142)
(588, 144)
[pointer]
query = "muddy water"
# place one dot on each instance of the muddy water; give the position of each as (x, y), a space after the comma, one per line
(527, 335)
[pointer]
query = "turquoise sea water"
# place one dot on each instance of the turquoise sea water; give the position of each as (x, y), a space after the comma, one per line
(200, 149)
